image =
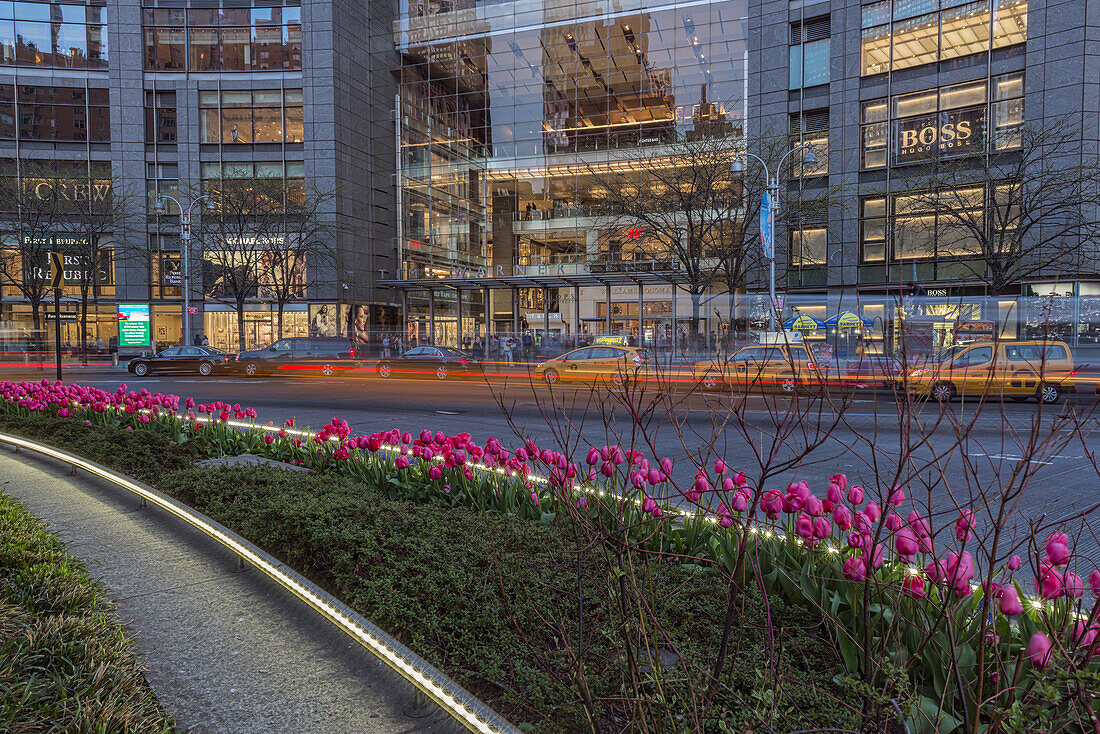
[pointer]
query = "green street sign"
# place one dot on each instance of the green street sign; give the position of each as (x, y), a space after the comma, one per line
(133, 325)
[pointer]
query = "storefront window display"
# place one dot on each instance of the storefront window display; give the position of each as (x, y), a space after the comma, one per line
(261, 327)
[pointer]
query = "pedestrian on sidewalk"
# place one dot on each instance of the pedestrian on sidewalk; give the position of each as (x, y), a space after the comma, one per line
(197, 341)
(506, 347)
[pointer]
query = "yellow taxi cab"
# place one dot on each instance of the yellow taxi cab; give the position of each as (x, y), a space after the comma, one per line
(1018, 369)
(785, 367)
(606, 358)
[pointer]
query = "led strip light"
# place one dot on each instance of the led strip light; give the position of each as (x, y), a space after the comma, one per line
(472, 713)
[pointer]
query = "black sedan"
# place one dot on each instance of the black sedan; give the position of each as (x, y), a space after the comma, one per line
(202, 360)
(437, 362)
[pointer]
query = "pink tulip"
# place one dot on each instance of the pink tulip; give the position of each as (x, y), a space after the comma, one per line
(739, 503)
(875, 552)
(1059, 538)
(1074, 586)
(1014, 563)
(804, 526)
(1010, 601)
(897, 496)
(666, 466)
(873, 511)
(855, 540)
(637, 480)
(719, 466)
(812, 506)
(1058, 554)
(840, 480)
(842, 516)
(822, 528)
(401, 462)
(1094, 582)
(855, 495)
(654, 477)
(855, 569)
(593, 457)
(723, 514)
(914, 586)
(833, 493)
(435, 472)
(269, 439)
(918, 524)
(964, 526)
(1039, 650)
(728, 484)
(894, 522)
(1050, 584)
(649, 505)
(771, 502)
(906, 543)
(701, 484)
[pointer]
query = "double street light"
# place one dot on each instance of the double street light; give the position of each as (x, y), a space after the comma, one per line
(160, 207)
(769, 203)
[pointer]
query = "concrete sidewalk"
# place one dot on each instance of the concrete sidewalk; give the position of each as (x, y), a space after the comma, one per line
(226, 651)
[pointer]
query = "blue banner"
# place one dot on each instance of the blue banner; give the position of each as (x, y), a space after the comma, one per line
(767, 226)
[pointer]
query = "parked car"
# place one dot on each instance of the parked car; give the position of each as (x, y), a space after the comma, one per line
(784, 367)
(438, 362)
(601, 361)
(202, 360)
(324, 354)
(1018, 369)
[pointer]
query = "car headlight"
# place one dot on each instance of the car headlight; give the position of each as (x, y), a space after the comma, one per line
(917, 373)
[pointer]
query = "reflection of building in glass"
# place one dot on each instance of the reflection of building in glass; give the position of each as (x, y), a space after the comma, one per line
(509, 117)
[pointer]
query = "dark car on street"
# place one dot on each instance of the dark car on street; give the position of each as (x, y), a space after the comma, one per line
(323, 354)
(202, 360)
(437, 362)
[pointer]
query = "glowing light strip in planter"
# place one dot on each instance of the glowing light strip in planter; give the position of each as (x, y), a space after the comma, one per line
(452, 698)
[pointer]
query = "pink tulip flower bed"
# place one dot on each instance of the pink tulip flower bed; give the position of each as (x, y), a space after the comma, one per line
(912, 584)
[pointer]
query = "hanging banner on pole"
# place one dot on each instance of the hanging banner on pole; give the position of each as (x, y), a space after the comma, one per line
(767, 226)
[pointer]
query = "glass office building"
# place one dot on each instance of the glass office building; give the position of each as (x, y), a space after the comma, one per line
(510, 112)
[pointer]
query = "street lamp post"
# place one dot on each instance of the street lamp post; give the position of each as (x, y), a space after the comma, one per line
(767, 220)
(185, 248)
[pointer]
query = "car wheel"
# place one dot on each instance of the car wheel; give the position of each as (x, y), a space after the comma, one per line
(251, 369)
(551, 377)
(441, 372)
(205, 368)
(141, 369)
(1049, 393)
(787, 384)
(943, 392)
(384, 369)
(710, 381)
(327, 369)
(618, 379)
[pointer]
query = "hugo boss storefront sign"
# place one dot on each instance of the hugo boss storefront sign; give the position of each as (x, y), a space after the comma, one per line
(957, 132)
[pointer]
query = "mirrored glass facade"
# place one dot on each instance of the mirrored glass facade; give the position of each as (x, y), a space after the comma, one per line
(509, 110)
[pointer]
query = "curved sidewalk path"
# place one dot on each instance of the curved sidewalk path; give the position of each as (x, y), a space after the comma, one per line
(226, 651)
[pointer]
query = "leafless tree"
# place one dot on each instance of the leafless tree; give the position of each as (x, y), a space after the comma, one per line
(36, 204)
(1026, 208)
(308, 255)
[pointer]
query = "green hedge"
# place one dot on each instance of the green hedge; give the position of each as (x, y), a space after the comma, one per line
(65, 665)
(492, 600)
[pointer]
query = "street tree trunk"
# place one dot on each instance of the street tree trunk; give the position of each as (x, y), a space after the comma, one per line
(240, 324)
(279, 318)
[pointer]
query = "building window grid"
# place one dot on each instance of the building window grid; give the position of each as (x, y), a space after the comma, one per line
(916, 32)
(909, 229)
(953, 114)
(52, 35)
(241, 38)
(262, 116)
(810, 127)
(809, 53)
(35, 112)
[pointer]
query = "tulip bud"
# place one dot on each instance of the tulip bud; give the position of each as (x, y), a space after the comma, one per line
(719, 466)
(1010, 601)
(855, 495)
(593, 457)
(1094, 581)
(873, 511)
(1014, 563)
(1039, 650)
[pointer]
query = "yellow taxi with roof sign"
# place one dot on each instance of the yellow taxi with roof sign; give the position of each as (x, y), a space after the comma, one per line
(610, 358)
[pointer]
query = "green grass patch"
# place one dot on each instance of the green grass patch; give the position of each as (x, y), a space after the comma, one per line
(65, 664)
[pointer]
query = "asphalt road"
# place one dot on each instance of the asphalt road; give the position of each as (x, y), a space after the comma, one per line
(963, 451)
